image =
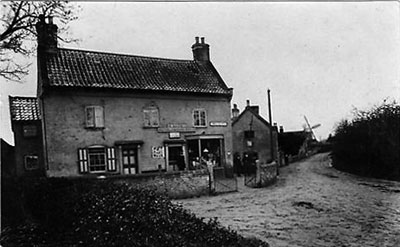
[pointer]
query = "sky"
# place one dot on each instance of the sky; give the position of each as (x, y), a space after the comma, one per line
(320, 60)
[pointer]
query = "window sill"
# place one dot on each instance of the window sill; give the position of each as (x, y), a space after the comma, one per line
(94, 128)
(150, 127)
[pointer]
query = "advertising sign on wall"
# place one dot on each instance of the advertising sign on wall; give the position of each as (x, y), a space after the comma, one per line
(157, 152)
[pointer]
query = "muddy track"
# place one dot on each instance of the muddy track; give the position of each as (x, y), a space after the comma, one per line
(312, 204)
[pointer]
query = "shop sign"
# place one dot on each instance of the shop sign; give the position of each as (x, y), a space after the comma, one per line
(176, 127)
(174, 135)
(218, 124)
(157, 152)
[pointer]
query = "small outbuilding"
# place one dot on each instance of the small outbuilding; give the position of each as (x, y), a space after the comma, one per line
(251, 135)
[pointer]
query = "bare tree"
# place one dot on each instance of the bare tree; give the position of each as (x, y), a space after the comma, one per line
(18, 33)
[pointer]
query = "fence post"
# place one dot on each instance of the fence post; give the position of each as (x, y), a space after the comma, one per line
(211, 180)
(258, 173)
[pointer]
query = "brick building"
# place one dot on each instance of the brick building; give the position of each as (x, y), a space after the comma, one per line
(27, 129)
(252, 136)
(105, 113)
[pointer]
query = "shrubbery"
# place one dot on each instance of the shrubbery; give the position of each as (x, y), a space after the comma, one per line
(369, 144)
(101, 213)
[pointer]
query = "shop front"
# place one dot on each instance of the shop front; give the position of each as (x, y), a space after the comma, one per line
(203, 149)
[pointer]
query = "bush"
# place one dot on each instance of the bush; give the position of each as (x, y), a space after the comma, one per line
(102, 213)
(369, 144)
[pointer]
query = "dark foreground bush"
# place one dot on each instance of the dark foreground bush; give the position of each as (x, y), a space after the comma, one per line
(369, 144)
(65, 213)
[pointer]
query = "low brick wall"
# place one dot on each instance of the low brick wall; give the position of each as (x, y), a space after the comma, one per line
(184, 184)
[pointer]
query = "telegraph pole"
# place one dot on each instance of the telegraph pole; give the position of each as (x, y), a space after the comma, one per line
(271, 136)
(270, 122)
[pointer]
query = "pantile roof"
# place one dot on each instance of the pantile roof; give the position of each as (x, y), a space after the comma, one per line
(251, 110)
(24, 108)
(89, 69)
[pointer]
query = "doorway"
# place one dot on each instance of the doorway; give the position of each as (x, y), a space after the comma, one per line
(129, 160)
(176, 157)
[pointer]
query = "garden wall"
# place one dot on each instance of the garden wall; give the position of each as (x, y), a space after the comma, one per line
(174, 184)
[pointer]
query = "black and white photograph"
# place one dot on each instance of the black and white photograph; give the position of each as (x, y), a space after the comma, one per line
(200, 123)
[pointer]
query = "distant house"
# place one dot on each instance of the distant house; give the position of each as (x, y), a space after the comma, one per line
(293, 142)
(108, 114)
(252, 136)
(27, 129)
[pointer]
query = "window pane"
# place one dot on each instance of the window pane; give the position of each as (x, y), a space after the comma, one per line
(150, 117)
(29, 130)
(99, 117)
(154, 117)
(203, 118)
(199, 117)
(89, 116)
(97, 159)
(31, 162)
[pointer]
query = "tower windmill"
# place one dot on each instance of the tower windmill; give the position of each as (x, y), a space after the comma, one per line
(310, 128)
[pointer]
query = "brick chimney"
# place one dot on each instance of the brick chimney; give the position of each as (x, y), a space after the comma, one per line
(281, 129)
(201, 50)
(235, 112)
(46, 35)
(253, 108)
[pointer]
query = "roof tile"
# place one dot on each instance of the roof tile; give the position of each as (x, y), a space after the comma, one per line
(24, 108)
(78, 68)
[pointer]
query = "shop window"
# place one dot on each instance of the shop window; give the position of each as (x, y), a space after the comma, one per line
(29, 130)
(199, 118)
(94, 117)
(31, 162)
(151, 116)
(203, 150)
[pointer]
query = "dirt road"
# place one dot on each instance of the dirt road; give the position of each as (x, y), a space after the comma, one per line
(312, 204)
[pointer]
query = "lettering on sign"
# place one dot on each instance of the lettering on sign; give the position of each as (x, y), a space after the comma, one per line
(174, 135)
(218, 124)
(157, 152)
(176, 125)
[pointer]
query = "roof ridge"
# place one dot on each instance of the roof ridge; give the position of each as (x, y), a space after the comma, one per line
(126, 55)
(25, 97)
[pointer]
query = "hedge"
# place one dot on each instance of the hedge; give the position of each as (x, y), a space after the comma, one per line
(369, 144)
(60, 212)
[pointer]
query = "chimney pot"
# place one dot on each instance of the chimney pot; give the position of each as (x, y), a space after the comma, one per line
(201, 51)
(235, 112)
(47, 35)
(281, 129)
(247, 102)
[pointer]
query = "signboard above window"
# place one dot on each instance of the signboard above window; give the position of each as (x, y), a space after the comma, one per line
(174, 135)
(218, 124)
